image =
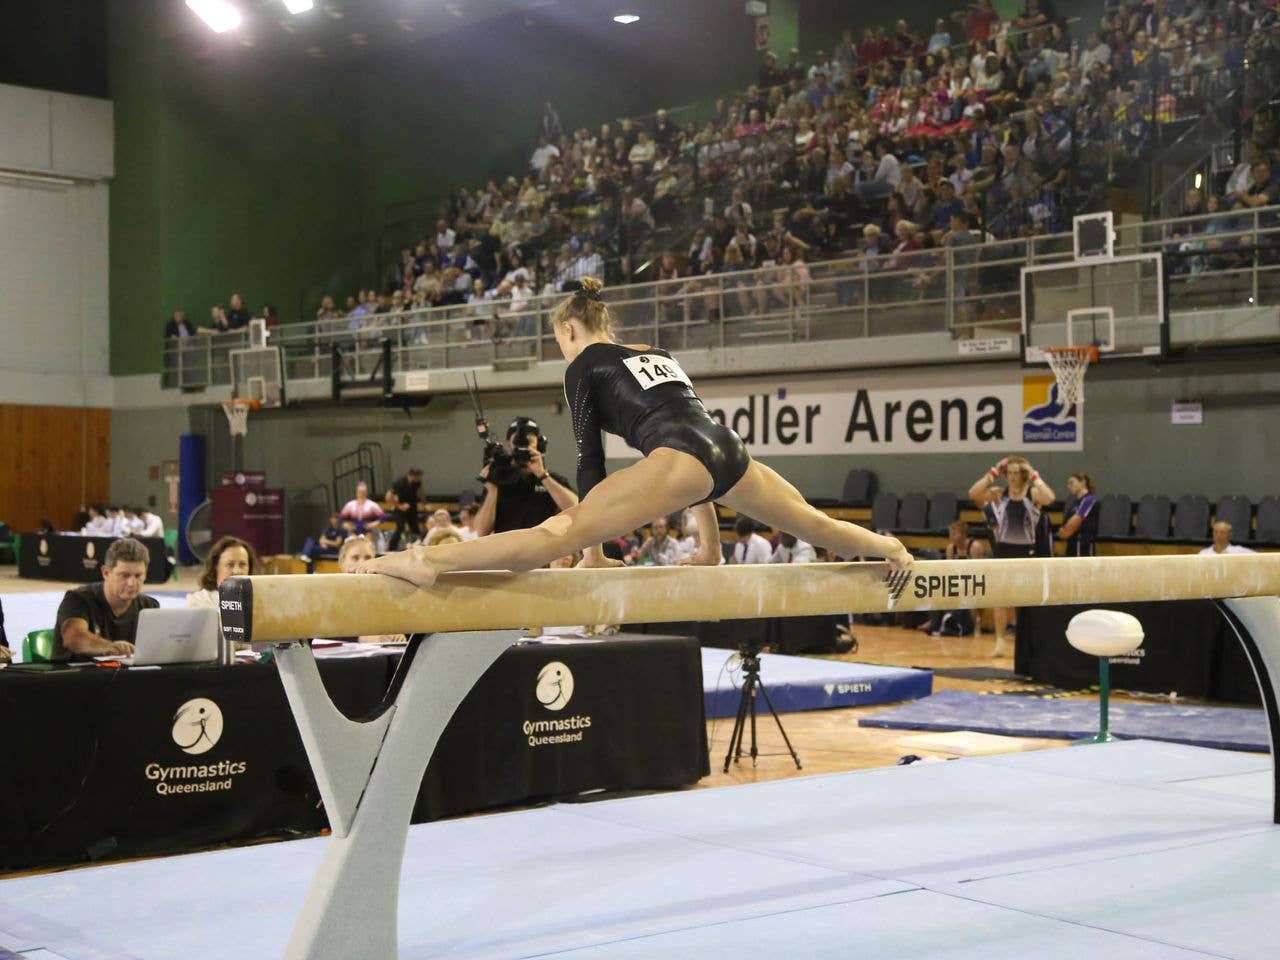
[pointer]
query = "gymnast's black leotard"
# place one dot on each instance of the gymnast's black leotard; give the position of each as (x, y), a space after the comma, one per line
(645, 398)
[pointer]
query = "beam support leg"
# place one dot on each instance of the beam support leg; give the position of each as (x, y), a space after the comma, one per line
(369, 774)
(1256, 621)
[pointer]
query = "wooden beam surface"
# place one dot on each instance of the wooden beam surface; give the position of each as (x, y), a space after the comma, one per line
(269, 608)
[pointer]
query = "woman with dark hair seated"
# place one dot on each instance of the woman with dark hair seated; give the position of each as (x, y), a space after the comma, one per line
(230, 557)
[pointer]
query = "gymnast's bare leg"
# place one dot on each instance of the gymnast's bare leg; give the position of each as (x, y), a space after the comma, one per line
(662, 483)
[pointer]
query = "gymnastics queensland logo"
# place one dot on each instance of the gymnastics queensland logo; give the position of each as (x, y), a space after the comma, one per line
(1046, 420)
(553, 691)
(555, 686)
(195, 728)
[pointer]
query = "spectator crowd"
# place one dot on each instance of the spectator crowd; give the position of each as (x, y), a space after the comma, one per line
(886, 145)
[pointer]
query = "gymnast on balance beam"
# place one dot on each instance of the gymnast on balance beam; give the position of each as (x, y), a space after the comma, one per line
(643, 396)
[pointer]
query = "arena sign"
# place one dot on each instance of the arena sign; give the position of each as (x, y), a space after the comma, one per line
(806, 419)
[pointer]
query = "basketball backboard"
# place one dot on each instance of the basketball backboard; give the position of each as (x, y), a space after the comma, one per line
(1117, 305)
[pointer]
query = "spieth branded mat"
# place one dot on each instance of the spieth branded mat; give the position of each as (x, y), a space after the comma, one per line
(1223, 728)
(1115, 852)
(805, 683)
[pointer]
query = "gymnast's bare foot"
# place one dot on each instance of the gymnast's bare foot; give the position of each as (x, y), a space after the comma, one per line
(410, 565)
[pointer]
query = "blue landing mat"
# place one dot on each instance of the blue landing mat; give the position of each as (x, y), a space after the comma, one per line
(803, 683)
(1098, 852)
(1222, 728)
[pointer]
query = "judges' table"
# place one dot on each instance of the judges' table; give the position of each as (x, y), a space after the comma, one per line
(1188, 649)
(119, 763)
(78, 559)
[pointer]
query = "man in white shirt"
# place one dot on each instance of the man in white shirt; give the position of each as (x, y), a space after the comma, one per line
(888, 173)
(152, 525)
(445, 238)
(751, 547)
(1095, 53)
(661, 549)
(1222, 541)
(543, 154)
(791, 550)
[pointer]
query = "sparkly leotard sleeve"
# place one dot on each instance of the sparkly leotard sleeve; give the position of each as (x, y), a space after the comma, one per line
(644, 397)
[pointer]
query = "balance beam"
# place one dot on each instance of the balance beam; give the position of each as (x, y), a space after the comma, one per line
(368, 771)
(256, 609)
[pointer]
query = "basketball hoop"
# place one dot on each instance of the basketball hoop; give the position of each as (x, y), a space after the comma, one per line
(1069, 365)
(237, 412)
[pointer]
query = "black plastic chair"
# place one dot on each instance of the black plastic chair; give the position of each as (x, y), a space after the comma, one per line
(943, 508)
(1191, 518)
(884, 511)
(859, 488)
(913, 514)
(1238, 512)
(1154, 511)
(1115, 515)
(1267, 521)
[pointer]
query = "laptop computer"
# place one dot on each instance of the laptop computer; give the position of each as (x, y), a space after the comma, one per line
(176, 635)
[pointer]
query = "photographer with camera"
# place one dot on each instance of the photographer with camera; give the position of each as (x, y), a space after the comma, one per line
(519, 491)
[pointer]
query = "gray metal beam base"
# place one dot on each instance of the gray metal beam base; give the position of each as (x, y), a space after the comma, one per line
(369, 774)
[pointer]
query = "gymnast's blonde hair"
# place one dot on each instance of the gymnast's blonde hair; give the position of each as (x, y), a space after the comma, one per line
(587, 306)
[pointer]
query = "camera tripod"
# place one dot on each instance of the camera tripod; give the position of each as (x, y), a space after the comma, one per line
(747, 707)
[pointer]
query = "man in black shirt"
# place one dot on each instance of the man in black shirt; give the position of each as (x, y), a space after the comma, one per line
(178, 327)
(237, 316)
(533, 496)
(101, 619)
(404, 496)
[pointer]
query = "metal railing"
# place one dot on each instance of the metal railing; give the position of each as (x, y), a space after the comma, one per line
(1215, 261)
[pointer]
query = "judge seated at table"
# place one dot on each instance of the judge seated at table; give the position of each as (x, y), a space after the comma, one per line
(229, 557)
(355, 551)
(1222, 541)
(101, 619)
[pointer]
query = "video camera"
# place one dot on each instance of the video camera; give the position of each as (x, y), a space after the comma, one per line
(505, 466)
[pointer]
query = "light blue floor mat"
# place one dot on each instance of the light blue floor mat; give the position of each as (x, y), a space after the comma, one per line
(1121, 850)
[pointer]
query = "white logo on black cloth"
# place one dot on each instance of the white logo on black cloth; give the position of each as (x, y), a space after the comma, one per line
(555, 686)
(197, 726)
(90, 549)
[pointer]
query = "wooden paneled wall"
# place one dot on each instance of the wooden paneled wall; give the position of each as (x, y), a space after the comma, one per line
(52, 460)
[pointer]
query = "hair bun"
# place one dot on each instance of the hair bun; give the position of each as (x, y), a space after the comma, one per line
(591, 288)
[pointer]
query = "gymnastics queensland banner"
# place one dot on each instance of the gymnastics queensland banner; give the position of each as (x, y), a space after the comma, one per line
(850, 415)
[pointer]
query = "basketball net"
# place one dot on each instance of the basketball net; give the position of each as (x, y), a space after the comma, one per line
(1069, 365)
(237, 412)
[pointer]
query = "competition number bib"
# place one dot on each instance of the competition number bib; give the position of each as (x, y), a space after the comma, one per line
(651, 370)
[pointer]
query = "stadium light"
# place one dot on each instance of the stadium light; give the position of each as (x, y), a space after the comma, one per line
(220, 15)
(625, 18)
(298, 6)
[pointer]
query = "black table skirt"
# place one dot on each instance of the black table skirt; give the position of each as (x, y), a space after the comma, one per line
(76, 559)
(1189, 648)
(93, 768)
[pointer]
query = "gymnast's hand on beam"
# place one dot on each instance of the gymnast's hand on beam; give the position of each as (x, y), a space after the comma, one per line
(897, 555)
(410, 565)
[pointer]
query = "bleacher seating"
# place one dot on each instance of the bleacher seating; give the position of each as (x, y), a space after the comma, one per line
(1191, 518)
(1267, 522)
(943, 508)
(1154, 511)
(859, 488)
(1238, 512)
(1115, 515)
(884, 512)
(913, 512)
